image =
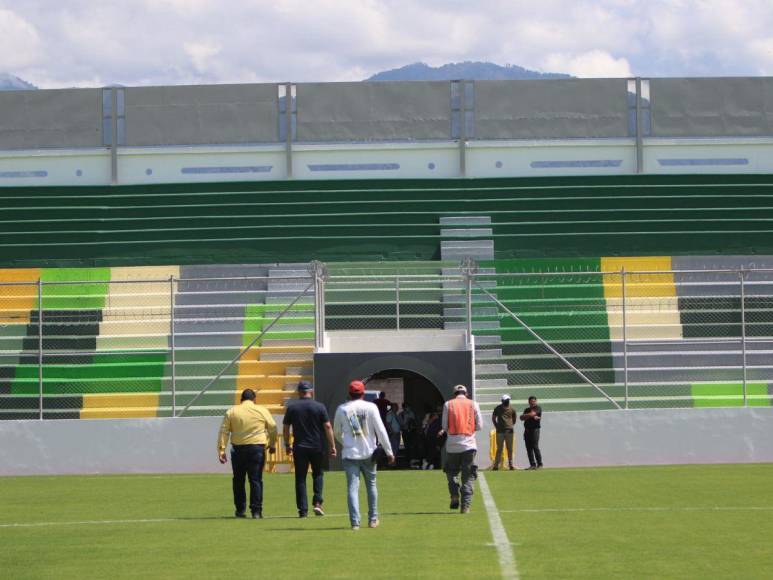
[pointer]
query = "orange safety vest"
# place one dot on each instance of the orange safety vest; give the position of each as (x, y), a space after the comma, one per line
(461, 416)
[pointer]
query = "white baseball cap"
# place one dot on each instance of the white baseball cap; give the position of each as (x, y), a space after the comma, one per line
(505, 397)
(460, 389)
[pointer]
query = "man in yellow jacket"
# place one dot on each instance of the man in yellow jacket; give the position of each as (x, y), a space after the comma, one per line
(252, 429)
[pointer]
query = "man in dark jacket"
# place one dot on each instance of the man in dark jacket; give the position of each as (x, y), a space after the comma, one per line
(311, 430)
(504, 418)
(532, 426)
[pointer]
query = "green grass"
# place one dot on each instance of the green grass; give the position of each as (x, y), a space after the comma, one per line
(587, 523)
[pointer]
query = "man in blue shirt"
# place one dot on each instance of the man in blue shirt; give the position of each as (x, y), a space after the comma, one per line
(308, 420)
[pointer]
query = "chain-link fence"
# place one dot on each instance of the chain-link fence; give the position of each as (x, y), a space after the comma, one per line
(148, 348)
(189, 343)
(641, 339)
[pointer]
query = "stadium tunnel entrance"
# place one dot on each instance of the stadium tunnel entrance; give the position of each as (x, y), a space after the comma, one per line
(429, 363)
(406, 387)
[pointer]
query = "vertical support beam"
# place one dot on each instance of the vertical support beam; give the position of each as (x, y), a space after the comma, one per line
(462, 129)
(40, 349)
(289, 129)
(742, 275)
(173, 347)
(114, 141)
(319, 271)
(639, 141)
(397, 301)
(625, 338)
(468, 268)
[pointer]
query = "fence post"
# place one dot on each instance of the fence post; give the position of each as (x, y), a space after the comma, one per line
(625, 338)
(40, 349)
(172, 338)
(319, 271)
(397, 300)
(741, 274)
(469, 268)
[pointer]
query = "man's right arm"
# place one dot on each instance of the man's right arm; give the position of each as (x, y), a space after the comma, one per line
(222, 439)
(338, 427)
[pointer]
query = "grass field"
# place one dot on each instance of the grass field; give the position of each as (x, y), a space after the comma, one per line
(647, 522)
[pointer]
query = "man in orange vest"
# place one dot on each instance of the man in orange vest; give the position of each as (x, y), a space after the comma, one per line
(461, 418)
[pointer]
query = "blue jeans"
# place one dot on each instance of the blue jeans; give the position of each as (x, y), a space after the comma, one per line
(353, 468)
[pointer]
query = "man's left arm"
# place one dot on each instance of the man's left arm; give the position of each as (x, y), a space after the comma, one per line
(478, 418)
(271, 429)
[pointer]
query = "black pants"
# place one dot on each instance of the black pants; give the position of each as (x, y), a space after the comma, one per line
(302, 458)
(531, 438)
(248, 460)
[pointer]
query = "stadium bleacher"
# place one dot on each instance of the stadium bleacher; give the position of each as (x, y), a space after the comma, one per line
(107, 330)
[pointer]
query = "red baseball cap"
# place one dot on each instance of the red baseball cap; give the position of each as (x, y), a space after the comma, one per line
(356, 388)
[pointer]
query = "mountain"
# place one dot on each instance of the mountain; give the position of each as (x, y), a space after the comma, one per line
(488, 71)
(9, 82)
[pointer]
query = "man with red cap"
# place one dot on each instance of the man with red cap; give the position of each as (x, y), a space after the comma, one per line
(357, 425)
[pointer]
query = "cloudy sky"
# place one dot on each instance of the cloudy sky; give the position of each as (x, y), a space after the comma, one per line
(62, 43)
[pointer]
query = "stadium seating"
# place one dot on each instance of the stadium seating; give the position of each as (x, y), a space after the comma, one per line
(107, 336)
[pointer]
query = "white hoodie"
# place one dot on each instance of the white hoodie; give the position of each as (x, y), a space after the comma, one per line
(356, 426)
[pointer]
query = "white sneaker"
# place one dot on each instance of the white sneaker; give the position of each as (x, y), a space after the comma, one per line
(373, 524)
(318, 510)
(355, 528)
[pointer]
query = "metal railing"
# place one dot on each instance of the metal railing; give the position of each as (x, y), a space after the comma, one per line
(576, 339)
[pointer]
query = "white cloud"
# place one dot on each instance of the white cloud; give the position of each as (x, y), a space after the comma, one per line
(19, 42)
(135, 42)
(201, 54)
(591, 64)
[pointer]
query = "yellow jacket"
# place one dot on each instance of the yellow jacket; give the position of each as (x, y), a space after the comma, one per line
(247, 424)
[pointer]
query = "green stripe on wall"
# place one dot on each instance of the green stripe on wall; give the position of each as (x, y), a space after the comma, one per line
(730, 395)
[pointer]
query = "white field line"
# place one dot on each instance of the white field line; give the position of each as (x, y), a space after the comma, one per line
(504, 547)
(140, 521)
(640, 509)
(329, 515)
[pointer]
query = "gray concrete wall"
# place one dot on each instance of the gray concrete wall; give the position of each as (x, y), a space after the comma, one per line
(570, 439)
(647, 437)
(50, 119)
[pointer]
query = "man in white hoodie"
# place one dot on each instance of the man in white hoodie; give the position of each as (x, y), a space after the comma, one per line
(357, 423)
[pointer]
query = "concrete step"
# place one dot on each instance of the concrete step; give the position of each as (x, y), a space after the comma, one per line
(476, 325)
(466, 232)
(487, 340)
(457, 271)
(455, 298)
(287, 341)
(294, 370)
(490, 384)
(489, 353)
(454, 284)
(287, 297)
(476, 311)
(295, 356)
(476, 249)
(290, 327)
(289, 272)
(488, 369)
(465, 220)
